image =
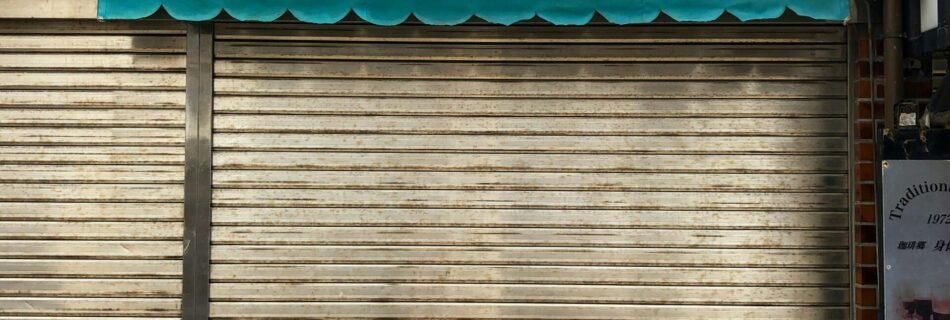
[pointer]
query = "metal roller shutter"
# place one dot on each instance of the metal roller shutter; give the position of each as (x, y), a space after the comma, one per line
(91, 169)
(530, 172)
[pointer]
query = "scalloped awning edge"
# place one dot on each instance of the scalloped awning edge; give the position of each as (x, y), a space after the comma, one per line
(440, 12)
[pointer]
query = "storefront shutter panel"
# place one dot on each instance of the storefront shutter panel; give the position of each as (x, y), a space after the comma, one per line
(481, 171)
(91, 169)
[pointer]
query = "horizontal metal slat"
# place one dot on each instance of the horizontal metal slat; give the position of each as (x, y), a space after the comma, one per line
(34, 230)
(513, 293)
(513, 199)
(529, 162)
(520, 181)
(693, 108)
(299, 273)
(91, 192)
(90, 80)
(90, 307)
(442, 255)
(567, 256)
(93, 136)
(98, 269)
(90, 288)
(527, 71)
(364, 310)
(86, 318)
(92, 43)
(61, 61)
(113, 99)
(91, 174)
(44, 211)
(698, 144)
(529, 126)
(96, 250)
(532, 89)
(379, 236)
(524, 218)
(90, 27)
(101, 155)
(115, 118)
(717, 33)
(528, 52)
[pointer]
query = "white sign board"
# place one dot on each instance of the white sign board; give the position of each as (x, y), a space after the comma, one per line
(916, 239)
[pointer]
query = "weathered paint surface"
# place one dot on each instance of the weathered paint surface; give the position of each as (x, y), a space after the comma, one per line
(91, 169)
(605, 172)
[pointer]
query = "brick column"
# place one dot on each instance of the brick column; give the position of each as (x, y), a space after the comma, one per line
(869, 109)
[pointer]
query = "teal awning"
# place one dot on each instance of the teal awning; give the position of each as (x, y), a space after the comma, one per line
(450, 12)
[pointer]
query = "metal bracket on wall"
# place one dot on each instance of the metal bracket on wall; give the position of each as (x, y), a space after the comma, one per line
(196, 277)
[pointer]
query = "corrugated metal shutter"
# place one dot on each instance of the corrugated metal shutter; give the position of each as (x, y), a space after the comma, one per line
(91, 169)
(530, 172)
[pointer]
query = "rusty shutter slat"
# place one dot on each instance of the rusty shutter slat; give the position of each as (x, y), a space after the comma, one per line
(91, 169)
(530, 172)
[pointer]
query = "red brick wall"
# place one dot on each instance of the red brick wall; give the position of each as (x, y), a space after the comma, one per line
(867, 111)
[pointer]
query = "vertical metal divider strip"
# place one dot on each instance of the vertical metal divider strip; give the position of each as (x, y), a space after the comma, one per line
(879, 215)
(196, 276)
(852, 181)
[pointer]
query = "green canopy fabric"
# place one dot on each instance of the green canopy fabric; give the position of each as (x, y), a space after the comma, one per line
(451, 12)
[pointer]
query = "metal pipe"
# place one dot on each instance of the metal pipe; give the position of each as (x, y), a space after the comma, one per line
(893, 60)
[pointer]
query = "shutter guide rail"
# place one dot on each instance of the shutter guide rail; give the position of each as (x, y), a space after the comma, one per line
(197, 241)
